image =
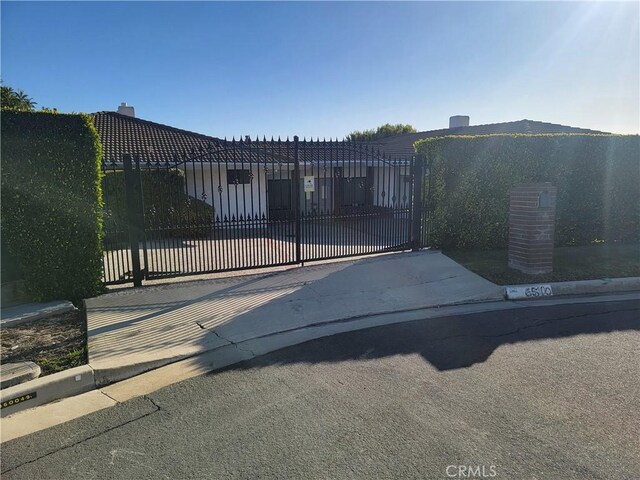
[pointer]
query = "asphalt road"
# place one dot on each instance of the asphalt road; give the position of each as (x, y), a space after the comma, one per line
(538, 393)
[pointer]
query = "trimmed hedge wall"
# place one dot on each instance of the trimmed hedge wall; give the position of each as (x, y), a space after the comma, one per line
(166, 205)
(52, 203)
(598, 180)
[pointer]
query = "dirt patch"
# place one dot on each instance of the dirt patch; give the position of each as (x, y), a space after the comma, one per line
(55, 343)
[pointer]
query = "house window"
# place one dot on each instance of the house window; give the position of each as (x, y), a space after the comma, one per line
(238, 177)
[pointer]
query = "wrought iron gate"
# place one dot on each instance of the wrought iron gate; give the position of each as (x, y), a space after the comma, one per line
(248, 204)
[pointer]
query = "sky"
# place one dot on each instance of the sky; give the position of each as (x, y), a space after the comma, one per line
(326, 69)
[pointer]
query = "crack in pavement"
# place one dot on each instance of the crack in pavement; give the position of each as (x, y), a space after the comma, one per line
(531, 325)
(91, 437)
(109, 396)
(231, 342)
(496, 335)
(158, 407)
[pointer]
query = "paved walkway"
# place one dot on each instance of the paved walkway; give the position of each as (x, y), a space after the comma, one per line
(138, 329)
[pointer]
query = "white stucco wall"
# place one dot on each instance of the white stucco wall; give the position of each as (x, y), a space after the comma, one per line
(235, 201)
(251, 199)
(389, 181)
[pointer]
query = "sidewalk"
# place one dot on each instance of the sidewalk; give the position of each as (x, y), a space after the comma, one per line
(134, 330)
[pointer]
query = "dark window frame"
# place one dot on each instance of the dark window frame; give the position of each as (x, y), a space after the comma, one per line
(242, 175)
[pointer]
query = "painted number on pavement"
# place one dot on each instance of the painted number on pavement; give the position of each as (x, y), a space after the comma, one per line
(538, 291)
(20, 399)
(529, 291)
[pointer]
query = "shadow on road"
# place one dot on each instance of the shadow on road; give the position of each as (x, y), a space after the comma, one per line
(460, 341)
(165, 323)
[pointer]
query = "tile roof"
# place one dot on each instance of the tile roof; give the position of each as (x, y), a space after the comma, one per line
(155, 142)
(120, 134)
(403, 144)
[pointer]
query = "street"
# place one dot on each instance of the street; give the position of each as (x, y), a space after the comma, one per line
(539, 393)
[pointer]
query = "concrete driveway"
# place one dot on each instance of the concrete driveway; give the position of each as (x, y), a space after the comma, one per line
(535, 393)
(134, 330)
(242, 248)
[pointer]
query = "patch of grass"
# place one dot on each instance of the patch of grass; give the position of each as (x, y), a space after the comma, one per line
(569, 263)
(75, 358)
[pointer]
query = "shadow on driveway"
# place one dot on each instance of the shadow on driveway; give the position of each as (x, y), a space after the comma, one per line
(460, 341)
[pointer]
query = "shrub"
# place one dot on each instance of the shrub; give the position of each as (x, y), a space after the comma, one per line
(598, 180)
(52, 203)
(166, 206)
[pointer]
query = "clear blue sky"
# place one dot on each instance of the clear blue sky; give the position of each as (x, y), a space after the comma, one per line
(325, 69)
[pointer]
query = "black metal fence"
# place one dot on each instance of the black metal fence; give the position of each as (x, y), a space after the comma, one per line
(249, 204)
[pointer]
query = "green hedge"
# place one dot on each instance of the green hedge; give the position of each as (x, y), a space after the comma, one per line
(52, 203)
(166, 206)
(598, 180)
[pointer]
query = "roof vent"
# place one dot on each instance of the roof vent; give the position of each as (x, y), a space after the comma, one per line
(459, 121)
(127, 110)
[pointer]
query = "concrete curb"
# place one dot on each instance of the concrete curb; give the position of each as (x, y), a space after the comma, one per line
(109, 374)
(244, 349)
(84, 378)
(33, 311)
(46, 389)
(104, 376)
(139, 384)
(581, 287)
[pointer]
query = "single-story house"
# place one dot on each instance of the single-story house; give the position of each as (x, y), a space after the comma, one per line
(399, 145)
(251, 180)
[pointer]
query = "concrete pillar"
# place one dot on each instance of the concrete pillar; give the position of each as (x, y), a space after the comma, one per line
(532, 215)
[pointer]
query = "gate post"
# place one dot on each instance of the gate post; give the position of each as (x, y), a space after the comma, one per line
(296, 189)
(416, 221)
(133, 194)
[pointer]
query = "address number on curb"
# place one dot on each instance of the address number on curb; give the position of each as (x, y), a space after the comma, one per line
(20, 399)
(529, 291)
